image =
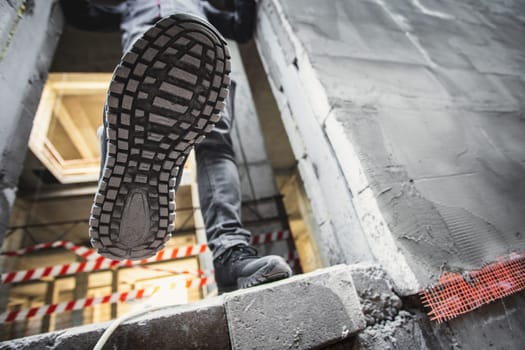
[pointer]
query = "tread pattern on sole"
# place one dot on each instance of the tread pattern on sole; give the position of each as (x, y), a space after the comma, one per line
(165, 95)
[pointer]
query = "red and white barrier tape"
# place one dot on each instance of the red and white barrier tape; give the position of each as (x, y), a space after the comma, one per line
(205, 277)
(97, 262)
(100, 263)
(91, 253)
(79, 250)
(270, 237)
(79, 304)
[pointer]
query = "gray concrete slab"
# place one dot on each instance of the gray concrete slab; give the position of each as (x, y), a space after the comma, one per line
(417, 105)
(200, 325)
(302, 312)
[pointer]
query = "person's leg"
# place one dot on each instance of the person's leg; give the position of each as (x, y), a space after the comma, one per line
(140, 15)
(236, 262)
(219, 185)
(165, 95)
(148, 142)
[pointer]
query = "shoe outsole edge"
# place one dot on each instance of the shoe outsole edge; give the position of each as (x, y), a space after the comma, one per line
(165, 95)
(277, 270)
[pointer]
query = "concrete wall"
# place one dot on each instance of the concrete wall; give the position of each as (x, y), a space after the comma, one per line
(29, 32)
(406, 118)
(255, 168)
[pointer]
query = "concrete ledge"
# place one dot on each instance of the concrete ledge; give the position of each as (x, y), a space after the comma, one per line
(303, 312)
(197, 326)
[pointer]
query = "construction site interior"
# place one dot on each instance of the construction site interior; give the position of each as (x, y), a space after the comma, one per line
(386, 136)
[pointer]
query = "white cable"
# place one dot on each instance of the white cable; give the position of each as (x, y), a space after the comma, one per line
(111, 329)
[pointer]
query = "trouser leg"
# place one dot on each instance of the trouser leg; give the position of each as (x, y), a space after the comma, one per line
(219, 186)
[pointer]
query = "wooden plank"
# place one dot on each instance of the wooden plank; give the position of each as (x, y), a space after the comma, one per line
(79, 139)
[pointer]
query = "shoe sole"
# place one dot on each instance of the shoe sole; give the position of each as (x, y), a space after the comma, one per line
(164, 96)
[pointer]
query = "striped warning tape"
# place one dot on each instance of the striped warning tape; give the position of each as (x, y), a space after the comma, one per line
(206, 277)
(79, 250)
(100, 263)
(85, 252)
(270, 237)
(291, 258)
(39, 311)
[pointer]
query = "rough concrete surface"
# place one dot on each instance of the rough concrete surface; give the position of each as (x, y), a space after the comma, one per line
(10, 14)
(389, 325)
(24, 62)
(499, 325)
(200, 325)
(302, 312)
(338, 229)
(420, 104)
(401, 323)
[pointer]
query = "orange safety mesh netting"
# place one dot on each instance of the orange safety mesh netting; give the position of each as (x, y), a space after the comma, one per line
(456, 294)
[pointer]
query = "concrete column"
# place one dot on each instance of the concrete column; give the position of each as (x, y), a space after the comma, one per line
(255, 168)
(257, 179)
(80, 292)
(29, 32)
(114, 289)
(13, 242)
(205, 259)
(51, 297)
(338, 230)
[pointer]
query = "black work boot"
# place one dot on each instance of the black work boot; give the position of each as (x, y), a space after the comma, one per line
(164, 96)
(240, 267)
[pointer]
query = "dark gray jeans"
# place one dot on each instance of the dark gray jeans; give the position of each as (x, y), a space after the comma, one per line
(217, 172)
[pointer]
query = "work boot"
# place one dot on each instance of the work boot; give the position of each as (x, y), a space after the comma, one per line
(164, 96)
(240, 267)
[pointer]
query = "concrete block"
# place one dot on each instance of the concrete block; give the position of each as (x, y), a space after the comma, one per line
(197, 326)
(303, 312)
(389, 325)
